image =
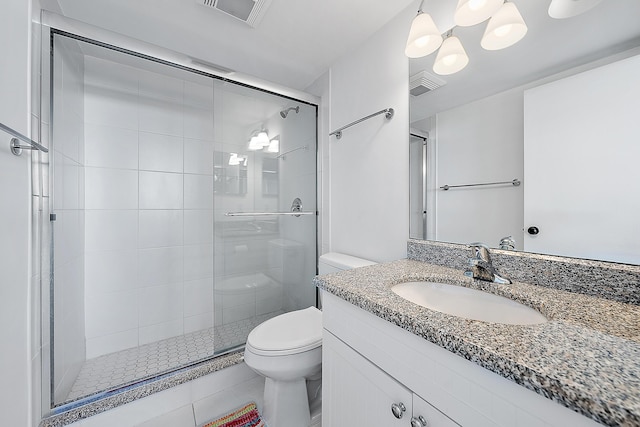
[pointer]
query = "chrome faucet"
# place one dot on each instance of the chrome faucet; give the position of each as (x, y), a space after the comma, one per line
(481, 266)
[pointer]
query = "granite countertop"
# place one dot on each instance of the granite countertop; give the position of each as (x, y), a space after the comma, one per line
(587, 357)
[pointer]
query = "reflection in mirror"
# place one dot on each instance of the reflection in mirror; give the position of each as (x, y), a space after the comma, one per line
(270, 169)
(487, 124)
(230, 173)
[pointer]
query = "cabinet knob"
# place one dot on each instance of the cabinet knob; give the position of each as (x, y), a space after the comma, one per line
(419, 421)
(398, 410)
(533, 230)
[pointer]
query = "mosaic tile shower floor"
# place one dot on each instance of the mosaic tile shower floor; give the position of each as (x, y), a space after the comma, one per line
(128, 366)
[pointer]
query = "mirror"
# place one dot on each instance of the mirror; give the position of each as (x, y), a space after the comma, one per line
(471, 130)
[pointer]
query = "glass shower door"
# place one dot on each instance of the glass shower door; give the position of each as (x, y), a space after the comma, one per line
(149, 273)
(264, 258)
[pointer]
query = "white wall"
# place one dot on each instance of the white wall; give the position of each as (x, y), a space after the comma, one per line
(366, 173)
(15, 216)
(477, 143)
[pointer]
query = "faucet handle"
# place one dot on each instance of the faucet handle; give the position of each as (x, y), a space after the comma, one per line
(508, 243)
(480, 244)
(480, 251)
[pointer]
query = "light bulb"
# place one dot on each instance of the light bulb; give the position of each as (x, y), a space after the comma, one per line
(449, 60)
(422, 41)
(503, 30)
(476, 4)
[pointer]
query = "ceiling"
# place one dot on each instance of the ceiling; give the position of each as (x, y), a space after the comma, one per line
(549, 47)
(294, 44)
(298, 40)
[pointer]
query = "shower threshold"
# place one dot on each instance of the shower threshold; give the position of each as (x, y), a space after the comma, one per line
(122, 368)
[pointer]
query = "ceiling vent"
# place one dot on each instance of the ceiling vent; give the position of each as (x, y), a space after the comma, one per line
(250, 12)
(424, 82)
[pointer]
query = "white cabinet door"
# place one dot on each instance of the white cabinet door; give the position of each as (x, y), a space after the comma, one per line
(355, 392)
(433, 417)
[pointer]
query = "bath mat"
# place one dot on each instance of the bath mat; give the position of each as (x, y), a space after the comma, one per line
(247, 416)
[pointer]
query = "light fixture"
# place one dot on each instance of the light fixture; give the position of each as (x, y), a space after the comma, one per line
(236, 160)
(472, 12)
(505, 28)
(254, 144)
(263, 138)
(561, 9)
(424, 37)
(274, 145)
(259, 140)
(451, 57)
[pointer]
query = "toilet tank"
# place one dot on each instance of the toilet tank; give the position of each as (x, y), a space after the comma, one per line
(333, 262)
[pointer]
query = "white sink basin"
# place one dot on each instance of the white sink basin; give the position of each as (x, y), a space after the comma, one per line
(468, 303)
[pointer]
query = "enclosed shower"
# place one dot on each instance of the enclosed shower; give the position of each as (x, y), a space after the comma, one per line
(183, 214)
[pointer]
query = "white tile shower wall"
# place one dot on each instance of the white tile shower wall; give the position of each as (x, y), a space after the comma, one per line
(149, 201)
(68, 200)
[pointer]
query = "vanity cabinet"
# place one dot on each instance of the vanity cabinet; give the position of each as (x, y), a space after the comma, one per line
(370, 363)
(357, 392)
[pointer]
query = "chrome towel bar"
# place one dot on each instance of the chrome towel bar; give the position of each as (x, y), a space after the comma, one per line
(388, 114)
(296, 210)
(16, 148)
(515, 183)
(269, 213)
(282, 155)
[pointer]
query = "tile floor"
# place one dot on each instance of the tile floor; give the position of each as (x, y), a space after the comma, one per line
(129, 366)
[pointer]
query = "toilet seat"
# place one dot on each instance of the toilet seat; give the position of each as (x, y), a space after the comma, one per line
(286, 334)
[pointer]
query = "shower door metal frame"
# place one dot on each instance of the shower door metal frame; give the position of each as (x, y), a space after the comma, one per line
(50, 25)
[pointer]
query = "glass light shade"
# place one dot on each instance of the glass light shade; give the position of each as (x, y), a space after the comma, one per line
(274, 146)
(255, 144)
(233, 159)
(504, 29)
(561, 9)
(263, 138)
(451, 57)
(472, 12)
(424, 37)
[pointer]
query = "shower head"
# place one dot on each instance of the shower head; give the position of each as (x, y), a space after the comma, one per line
(284, 112)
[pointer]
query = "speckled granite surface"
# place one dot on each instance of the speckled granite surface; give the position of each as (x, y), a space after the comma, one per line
(587, 357)
(619, 282)
(132, 394)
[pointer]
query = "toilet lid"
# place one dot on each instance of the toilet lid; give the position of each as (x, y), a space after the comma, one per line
(288, 333)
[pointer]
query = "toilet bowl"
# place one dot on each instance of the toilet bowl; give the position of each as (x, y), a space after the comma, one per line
(287, 351)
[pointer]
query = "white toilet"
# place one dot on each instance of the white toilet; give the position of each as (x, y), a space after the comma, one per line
(287, 351)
